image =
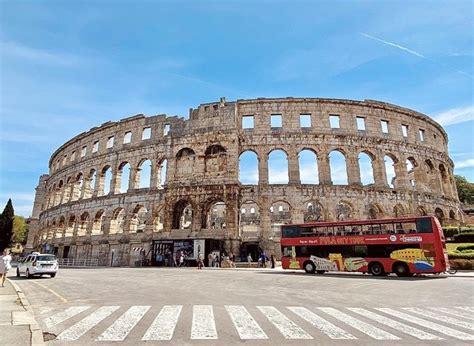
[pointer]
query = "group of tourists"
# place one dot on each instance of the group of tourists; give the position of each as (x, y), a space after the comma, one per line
(262, 260)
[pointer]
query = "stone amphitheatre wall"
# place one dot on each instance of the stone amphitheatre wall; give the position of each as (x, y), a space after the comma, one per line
(193, 191)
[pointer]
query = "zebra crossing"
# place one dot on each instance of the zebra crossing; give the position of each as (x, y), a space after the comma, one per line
(116, 323)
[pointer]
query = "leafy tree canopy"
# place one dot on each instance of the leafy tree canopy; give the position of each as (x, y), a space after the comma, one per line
(465, 190)
(19, 229)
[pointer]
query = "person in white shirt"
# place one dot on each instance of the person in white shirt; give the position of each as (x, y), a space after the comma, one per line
(249, 260)
(5, 266)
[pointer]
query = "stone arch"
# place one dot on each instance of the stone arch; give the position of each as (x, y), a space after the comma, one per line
(280, 214)
(313, 211)
(366, 167)
(421, 211)
(439, 213)
(215, 160)
(249, 220)
(374, 211)
(399, 210)
(105, 181)
(390, 161)
(69, 232)
(77, 187)
(308, 166)
(158, 218)
(452, 214)
(138, 219)
(123, 176)
(344, 211)
(183, 213)
(277, 166)
(444, 178)
(338, 167)
(161, 173)
(411, 165)
(83, 222)
(118, 221)
(91, 182)
(143, 174)
(97, 225)
(214, 214)
(185, 160)
(248, 167)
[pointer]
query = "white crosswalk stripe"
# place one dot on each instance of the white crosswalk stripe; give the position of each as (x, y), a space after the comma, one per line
(164, 324)
(287, 327)
(204, 326)
(83, 326)
(453, 312)
(428, 324)
(245, 324)
(371, 331)
(417, 333)
(326, 327)
(64, 315)
(124, 324)
(96, 326)
(466, 308)
(442, 318)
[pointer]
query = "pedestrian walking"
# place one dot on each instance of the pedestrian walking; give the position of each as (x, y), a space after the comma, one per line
(272, 259)
(200, 261)
(249, 260)
(210, 260)
(181, 259)
(263, 259)
(5, 266)
(216, 260)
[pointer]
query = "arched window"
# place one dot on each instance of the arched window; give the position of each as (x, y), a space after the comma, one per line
(97, 225)
(248, 168)
(215, 216)
(440, 215)
(118, 221)
(70, 226)
(337, 162)
(92, 180)
(162, 173)
(82, 228)
(123, 176)
(411, 164)
(277, 167)
(215, 162)
(313, 212)
(145, 174)
(390, 170)
(138, 220)
(343, 211)
(183, 215)
(185, 162)
(106, 180)
(366, 169)
(308, 165)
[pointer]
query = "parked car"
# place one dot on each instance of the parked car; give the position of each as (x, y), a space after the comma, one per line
(38, 264)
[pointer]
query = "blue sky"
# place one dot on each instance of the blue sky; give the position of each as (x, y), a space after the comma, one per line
(67, 66)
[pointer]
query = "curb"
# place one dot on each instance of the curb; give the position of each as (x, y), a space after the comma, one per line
(35, 329)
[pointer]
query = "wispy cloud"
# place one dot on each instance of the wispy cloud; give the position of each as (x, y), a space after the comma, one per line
(464, 164)
(394, 45)
(455, 116)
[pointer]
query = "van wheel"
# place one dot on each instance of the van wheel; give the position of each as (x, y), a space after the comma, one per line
(376, 269)
(17, 272)
(401, 269)
(309, 267)
(53, 275)
(28, 275)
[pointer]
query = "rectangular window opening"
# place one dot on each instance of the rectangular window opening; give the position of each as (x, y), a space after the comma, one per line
(166, 129)
(276, 121)
(334, 121)
(305, 120)
(73, 156)
(110, 142)
(127, 138)
(405, 130)
(95, 147)
(422, 135)
(84, 151)
(146, 133)
(247, 122)
(360, 123)
(384, 126)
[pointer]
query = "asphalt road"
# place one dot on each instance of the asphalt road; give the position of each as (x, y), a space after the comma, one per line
(269, 307)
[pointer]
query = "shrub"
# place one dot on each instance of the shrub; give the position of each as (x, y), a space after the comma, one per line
(464, 238)
(465, 247)
(461, 255)
(461, 264)
(449, 232)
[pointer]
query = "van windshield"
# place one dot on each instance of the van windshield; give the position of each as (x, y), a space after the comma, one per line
(46, 258)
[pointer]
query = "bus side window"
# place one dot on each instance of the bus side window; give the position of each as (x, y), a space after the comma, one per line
(287, 251)
(424, 226)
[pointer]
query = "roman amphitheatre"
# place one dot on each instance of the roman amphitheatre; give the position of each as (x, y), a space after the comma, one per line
(228, 176)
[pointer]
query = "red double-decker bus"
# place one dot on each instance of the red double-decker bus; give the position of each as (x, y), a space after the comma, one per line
(404, 246)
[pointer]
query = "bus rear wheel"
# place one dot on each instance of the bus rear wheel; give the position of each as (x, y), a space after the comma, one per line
(309, 267)
(376, 269)
(401, 269)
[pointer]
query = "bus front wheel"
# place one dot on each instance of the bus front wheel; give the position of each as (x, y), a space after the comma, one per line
(401, 269)
(309, 267)
(376, 269)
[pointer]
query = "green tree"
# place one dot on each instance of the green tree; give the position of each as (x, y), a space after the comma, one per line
(465, 190)
(6, 225)
(19, 229)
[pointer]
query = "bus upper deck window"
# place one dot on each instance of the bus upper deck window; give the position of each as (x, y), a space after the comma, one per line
(424, 226)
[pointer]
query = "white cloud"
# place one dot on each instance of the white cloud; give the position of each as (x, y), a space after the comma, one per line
(455, 116)
(464, 164)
